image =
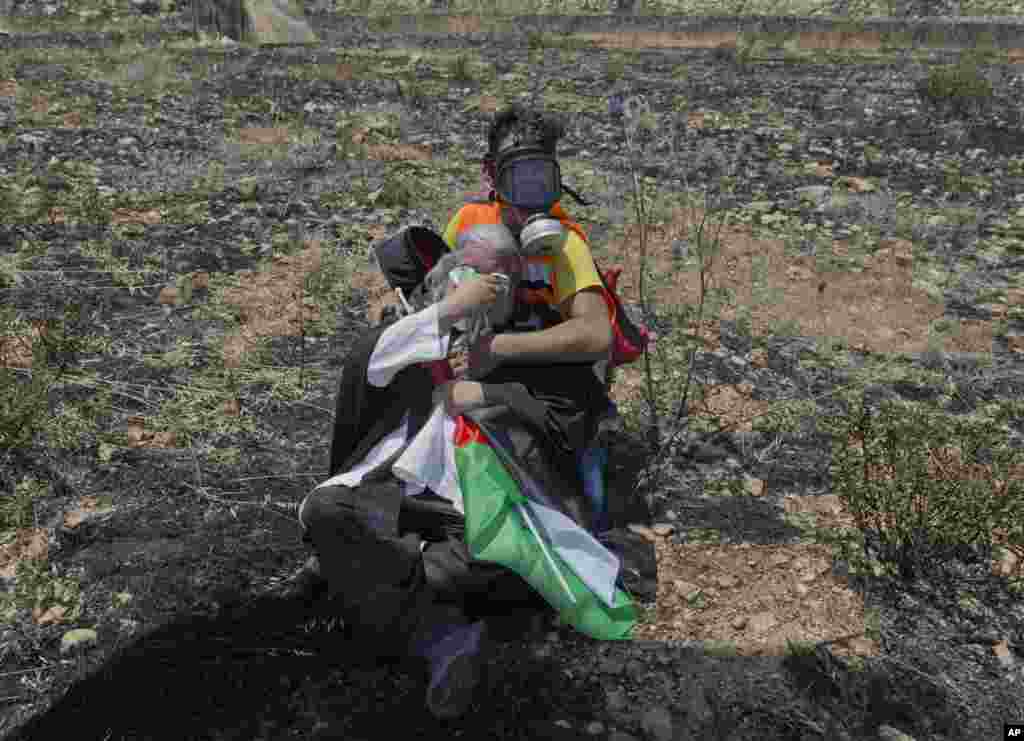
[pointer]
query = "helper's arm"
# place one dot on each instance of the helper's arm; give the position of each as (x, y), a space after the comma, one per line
(586, 335)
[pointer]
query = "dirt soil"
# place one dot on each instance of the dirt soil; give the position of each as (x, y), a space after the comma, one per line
(209, 210)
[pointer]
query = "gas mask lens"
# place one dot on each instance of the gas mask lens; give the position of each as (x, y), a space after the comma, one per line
(530, 183)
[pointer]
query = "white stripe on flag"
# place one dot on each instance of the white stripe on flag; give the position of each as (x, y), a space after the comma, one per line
(595, 565)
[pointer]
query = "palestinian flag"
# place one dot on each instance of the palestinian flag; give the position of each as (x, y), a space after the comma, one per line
(508, 522)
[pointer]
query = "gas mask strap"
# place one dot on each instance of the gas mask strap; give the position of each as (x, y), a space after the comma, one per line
(575, 196)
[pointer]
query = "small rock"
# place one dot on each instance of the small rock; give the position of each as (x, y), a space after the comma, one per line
(888, 733)
(563, 724)
(739, 622)
(663, 529)
(595, 728)
(802, 589)
(127, 141)
(77, 640)
(671, 516)
(657, 723)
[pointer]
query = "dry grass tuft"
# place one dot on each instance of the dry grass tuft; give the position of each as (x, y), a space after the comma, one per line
(272, 302)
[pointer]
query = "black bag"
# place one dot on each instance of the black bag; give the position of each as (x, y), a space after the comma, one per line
(407, 257)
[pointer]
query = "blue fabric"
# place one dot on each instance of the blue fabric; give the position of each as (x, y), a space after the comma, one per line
(592, 465)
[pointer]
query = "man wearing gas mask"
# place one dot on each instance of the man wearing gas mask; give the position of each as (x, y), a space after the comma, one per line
(560, 298)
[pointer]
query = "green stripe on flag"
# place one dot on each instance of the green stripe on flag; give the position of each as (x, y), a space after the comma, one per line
(497, 532)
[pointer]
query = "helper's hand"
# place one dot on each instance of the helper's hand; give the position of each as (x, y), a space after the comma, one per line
(459, 397)
(469, 296)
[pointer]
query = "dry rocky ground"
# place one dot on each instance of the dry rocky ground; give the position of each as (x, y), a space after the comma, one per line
(209, 210)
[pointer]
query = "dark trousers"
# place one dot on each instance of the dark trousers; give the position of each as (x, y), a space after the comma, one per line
(369, 541)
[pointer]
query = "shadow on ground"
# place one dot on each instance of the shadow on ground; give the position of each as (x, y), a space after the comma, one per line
(273, 669)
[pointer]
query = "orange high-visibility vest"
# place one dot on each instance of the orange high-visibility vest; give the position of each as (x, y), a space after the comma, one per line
(476, 213)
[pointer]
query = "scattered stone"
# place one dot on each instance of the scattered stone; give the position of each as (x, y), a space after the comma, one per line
(563, 724)
(657, 723)
(739, 622)
(802, 589)
(595, 728)
(663, 529)
(78, 639)
(888, 733)
(727, 582)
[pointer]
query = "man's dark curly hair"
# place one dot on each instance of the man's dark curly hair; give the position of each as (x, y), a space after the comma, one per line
(527, 127)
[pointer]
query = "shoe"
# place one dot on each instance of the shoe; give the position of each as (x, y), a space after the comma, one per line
(454, 653)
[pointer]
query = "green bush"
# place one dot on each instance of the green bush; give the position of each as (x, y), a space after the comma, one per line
(920, 518)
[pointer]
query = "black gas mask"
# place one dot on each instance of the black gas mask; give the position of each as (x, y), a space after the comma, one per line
(530, 179)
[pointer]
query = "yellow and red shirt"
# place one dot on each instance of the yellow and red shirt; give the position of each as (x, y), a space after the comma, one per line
(548, 280)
